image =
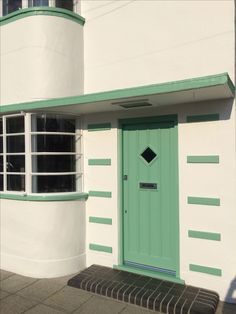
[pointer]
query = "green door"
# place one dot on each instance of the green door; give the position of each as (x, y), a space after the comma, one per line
(150, 194)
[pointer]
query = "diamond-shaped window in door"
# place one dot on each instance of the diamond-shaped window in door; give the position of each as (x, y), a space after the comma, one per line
(148, 155)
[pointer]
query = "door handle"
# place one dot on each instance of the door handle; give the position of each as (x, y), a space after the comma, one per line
(125, 177)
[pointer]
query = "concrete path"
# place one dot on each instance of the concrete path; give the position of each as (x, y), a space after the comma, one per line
(20, 294)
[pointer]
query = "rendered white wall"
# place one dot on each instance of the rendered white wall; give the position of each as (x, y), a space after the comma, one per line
(203, 180)
(134, 43)
(41, 58)
(42, 239)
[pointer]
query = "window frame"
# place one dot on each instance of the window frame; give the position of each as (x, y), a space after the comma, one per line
(26, 4)
(28, 173)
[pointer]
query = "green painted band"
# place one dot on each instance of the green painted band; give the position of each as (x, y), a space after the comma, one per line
(99, 127)
(46, 198)
(58, 12)
(204, 235)
(100, 248)
(100, 194)
(99, 162)
(169, 87)
(203, 118)
(203, 201)
(205, 270)
(211, 159)
(100, 220)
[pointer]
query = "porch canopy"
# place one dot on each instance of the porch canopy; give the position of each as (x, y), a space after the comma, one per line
(198, 89)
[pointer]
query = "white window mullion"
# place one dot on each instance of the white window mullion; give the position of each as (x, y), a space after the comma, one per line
(4, 154)
(52, 3)
(28, 153)
(78, 148)
(24, 4)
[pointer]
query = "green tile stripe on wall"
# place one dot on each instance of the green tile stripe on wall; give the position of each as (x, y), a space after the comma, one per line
(210, 159)
(100, 248)
(99, 162)
(203, 118)
(99, 127)
(205, 270)
(203, 201)
(100, 194)
(100, 220)
(204, 235)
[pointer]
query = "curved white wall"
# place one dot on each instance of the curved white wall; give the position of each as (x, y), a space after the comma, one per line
(42, 239)
(41, 58)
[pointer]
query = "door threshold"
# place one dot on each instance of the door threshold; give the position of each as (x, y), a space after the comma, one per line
(149, 273)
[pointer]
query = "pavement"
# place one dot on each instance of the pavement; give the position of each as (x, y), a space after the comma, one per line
(20, 294)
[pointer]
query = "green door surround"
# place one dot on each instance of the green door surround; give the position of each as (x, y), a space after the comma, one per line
(159, 119)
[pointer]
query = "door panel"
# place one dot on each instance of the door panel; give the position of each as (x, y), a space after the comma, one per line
(149, 194)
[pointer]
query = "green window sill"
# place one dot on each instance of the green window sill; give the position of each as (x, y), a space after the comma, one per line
(47, 198)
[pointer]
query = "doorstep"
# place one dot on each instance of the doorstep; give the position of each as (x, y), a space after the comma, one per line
(150, 293)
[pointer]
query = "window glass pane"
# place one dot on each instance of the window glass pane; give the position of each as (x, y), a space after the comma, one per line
(53, 184)
(1, 163)
(37, 3)
(11, 6)
(16, 144)
(1, 126)
(65, 4)
(1, 144)
(16, 163)
(53, 123)
(1, 182)
(53, 143)
(15, 182)
(52, 163)
(15, 124)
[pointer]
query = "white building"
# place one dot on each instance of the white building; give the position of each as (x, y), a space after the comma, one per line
(118, 139)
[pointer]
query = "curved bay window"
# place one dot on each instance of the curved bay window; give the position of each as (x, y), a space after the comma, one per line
(43, 158)
(54, 154)
(9, 6)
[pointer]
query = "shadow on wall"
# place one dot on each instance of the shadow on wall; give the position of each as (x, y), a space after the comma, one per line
(230, 297)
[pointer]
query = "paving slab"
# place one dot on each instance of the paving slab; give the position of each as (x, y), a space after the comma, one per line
(43, 288)
(3, 294)
(100, 305)
(43, 309)
(5, 274)
(68, 299)
(15, 283)
(15, 304)
(226, 308)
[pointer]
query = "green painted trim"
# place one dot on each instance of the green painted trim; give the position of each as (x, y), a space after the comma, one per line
(46, 198)
(148, 273)
(203, 118)
(99, 162)
(100, 220)
(210, 159)
(205, 270)
(203, 201)
(99, 127)
(204, 235)
(170, 87)
(100, 248)
(100, 194)
(58, 12)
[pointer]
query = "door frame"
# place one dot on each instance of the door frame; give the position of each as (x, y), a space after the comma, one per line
(147, 119)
